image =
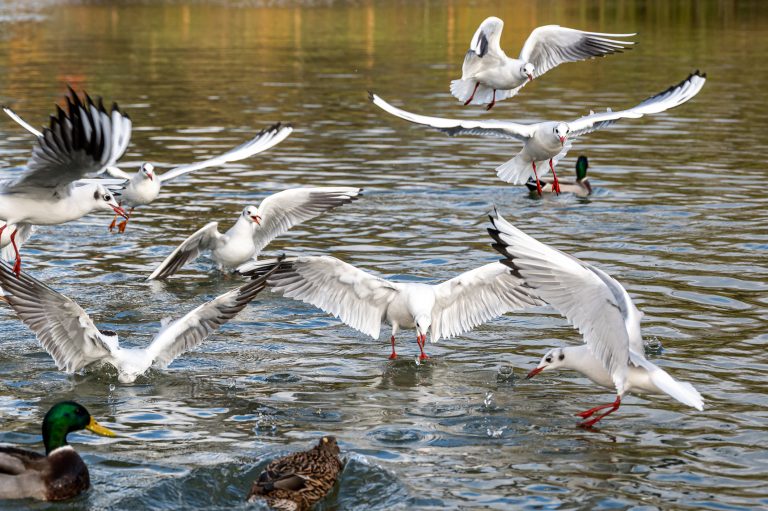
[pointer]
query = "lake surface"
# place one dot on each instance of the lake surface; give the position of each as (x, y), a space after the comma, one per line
(678, 217)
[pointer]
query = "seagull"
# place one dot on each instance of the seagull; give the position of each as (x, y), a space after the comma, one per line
(256, 227)
(550, 140)
(363, 301)
(488, 75)
(69, 335)
(48, 191)
(601, 309)
(144, 186)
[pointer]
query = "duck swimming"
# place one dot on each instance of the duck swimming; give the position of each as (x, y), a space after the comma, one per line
(580, 187)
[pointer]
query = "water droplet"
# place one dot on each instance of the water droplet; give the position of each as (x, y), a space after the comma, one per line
(112, 387)
(495, 433)
(488, 401)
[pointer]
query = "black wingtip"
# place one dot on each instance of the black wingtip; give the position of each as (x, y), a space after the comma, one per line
(371, 96)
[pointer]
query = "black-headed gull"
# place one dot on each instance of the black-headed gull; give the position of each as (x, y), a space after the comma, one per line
(599, 307)
(488, 75)
(548, 141)
(256, 227)
(48, 191)
(364, 301)
(68, 334)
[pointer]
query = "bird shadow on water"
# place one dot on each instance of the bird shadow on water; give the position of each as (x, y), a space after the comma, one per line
(406, 372)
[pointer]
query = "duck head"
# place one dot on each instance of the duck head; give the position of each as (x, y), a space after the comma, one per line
(64, 418)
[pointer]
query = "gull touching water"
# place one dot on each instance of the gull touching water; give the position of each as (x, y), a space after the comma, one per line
(48, 191)
(364, 301)
(489, 75)
(613, 353)
(256, 227)
(548, 141)
(70, 337)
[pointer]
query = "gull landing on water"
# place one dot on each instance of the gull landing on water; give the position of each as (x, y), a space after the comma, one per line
(256, 227)
(489, 75)
(548, 141)
(67, 333)
(600, 308)
(364, 301)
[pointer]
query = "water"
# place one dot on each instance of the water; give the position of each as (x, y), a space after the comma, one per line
(678, 217)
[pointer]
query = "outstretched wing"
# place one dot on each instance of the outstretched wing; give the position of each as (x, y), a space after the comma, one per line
(485, 46)
(62, 327)
(477, 296)
(203, 239)
(281, 211)
(552, 45)
(357, 298)
(186, 333)
(670, 98)
(500, 129)
(264, 140)
(590, 299)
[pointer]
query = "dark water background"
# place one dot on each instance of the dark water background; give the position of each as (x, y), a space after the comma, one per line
(678, 217)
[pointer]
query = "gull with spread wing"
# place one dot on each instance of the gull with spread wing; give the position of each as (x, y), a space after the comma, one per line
(256, 227)
(144, 186)
(488, 75)
(551, 140)
(613, 354)
(69, 335)
(363, 301)
(49, 190)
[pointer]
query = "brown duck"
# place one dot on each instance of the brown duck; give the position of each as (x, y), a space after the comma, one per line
(60, 474)
(298, 481)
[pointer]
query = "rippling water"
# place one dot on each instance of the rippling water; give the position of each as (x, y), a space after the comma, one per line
(678, 217)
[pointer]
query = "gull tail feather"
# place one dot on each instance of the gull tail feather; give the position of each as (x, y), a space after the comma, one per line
(517, 170)
(681, 391)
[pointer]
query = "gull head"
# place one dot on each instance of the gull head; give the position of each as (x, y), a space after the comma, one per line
(103, 199)
(527, 71)
(423, 322)
(251, 213)
(148, 171)
(561, 131)
(554, 359)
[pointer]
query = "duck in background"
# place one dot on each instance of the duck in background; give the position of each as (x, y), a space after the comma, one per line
(59, 475)
(580, 187)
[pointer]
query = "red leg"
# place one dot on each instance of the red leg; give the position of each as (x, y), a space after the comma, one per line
(17, 266)
(493, 102)
(588, 413)
(421, 340)
(613, 407)
(114, 222)
(122, 225)
(393, 355)
(555, 183)
(538, 183)
(477, 84)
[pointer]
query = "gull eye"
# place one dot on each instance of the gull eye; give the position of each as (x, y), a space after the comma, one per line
(106, 198)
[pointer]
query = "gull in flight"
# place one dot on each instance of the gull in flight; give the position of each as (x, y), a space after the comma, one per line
(70, 337)
(363, 301)
(550, 140)
(488, 75)
(256, 227)
(49, 190)
(600, 308)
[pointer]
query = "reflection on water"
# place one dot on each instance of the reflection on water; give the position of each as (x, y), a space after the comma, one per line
(678, 217)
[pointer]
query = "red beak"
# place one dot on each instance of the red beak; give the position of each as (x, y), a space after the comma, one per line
(530, 78)
(120, 211)
(562, 140)
(534, 372)
(256, 218)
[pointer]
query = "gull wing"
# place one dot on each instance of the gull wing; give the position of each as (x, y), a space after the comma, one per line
(670, 98)
(477, 296)
(63, 328)
(204, 238)
(281, 211)
(552, 45)
(264, 140)
(23, 233)
(596, 304)
(184, 334)
(499, 129)
(485, 46)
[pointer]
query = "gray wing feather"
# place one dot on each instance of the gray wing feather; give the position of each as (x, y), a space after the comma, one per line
(203, 239)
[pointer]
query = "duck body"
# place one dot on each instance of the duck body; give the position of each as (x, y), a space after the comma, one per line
(300, 480)
(580, 187)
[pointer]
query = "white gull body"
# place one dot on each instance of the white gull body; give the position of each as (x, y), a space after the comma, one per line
(363, 301)
(600, 308)
(488, 75)
(548, 142)
(256, 227)
(67, 333)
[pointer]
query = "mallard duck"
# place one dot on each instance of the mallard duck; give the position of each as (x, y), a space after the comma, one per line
(60, 474)
(298, 481)
(579, 187)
